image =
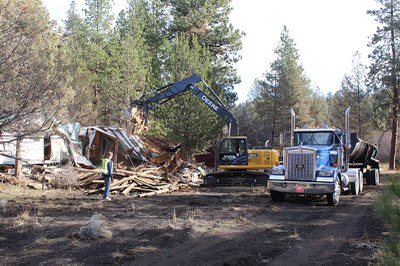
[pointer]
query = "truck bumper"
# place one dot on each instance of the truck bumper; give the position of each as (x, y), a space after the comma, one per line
(297, 187)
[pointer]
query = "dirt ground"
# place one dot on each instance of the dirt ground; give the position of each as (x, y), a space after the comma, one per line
(200, 226)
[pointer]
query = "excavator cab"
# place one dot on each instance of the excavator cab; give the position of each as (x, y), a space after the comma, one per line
(233, 151)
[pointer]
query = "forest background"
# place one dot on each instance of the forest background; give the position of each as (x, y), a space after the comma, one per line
(88, 71)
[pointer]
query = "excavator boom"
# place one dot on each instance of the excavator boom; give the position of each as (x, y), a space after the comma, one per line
(139, 109)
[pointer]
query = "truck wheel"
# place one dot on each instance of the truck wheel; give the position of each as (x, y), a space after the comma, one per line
(355, 186)
(333, 198)
(361, 181)
(374, 177)
(277, 196)
(368, 177)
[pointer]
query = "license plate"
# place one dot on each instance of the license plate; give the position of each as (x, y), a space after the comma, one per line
(299, 189)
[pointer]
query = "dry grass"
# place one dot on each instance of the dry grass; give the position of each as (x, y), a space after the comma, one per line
(386, 206)
(3, 205)
(295, 235)
(384, 169)
(66, 177)
(96, 228)
(174, 221)
(244, 220)
(142, 249)
(117, 255)
(192, 214)
(24, 218)
(12, 192)
(42, 240)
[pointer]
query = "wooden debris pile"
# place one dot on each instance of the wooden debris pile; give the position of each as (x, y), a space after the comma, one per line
(143, 180)
(165, 171)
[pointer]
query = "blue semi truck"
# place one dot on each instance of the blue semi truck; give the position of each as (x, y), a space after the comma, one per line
(324, 161)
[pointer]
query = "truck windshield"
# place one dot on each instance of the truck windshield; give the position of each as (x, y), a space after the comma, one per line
(313, 138)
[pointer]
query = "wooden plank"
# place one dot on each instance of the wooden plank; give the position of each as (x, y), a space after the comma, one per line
(147, 194)
(151, 193)
(92, 191)
(166, 186)
(144, 189)
(88, 170)
(126, 172)
(174, 186)
(128, 189)
(146, 181)
(120, 181)
(89, 179)
(151, 176)
(162, 158)
(97, 181)
(119, 187)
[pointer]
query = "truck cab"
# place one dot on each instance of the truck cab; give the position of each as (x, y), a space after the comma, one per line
(313, 165)
(322, 161)
(316, 163)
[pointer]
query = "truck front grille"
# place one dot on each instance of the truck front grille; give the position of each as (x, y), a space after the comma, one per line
(301, 164)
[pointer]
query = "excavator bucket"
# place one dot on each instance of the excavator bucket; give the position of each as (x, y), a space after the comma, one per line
(138, 120)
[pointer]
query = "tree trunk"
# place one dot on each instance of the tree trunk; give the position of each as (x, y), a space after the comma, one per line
(18, 165)
(185, 152)
(393, 142)
(395, 107)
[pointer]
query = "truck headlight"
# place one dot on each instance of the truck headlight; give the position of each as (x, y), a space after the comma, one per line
(277, 171)
(325, 173)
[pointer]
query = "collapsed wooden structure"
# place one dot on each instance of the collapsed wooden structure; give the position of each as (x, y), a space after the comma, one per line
(143, 165)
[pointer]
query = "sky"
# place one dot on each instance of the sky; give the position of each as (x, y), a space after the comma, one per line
(327, 34)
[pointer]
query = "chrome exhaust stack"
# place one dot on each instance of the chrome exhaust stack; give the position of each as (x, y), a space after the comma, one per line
(292, 126)
(347, 144)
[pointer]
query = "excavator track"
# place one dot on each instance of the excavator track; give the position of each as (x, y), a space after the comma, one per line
(236, 178)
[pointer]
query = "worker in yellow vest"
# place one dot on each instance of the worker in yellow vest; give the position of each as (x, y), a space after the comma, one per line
(106, 170)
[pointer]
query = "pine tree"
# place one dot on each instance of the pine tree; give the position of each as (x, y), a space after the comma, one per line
(186, 119)
(319, 109)
(208, 20)
(249, 124)
(78, 98)
(99, 56)
(284, 87)
(135, 65)
(31, 67)
(354, 94)
(384, 72)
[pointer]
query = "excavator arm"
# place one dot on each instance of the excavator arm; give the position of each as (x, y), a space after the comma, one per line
(139, 109)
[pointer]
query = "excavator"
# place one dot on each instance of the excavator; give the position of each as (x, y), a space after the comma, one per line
(237, 164)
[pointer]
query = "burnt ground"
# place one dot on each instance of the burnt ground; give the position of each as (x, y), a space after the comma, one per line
(202, 226)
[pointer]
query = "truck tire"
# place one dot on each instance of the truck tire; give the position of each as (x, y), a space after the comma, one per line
(355, 186)
(374, 177)
(368, 177)
(277, 196)
(360, 174)
(333, 198)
